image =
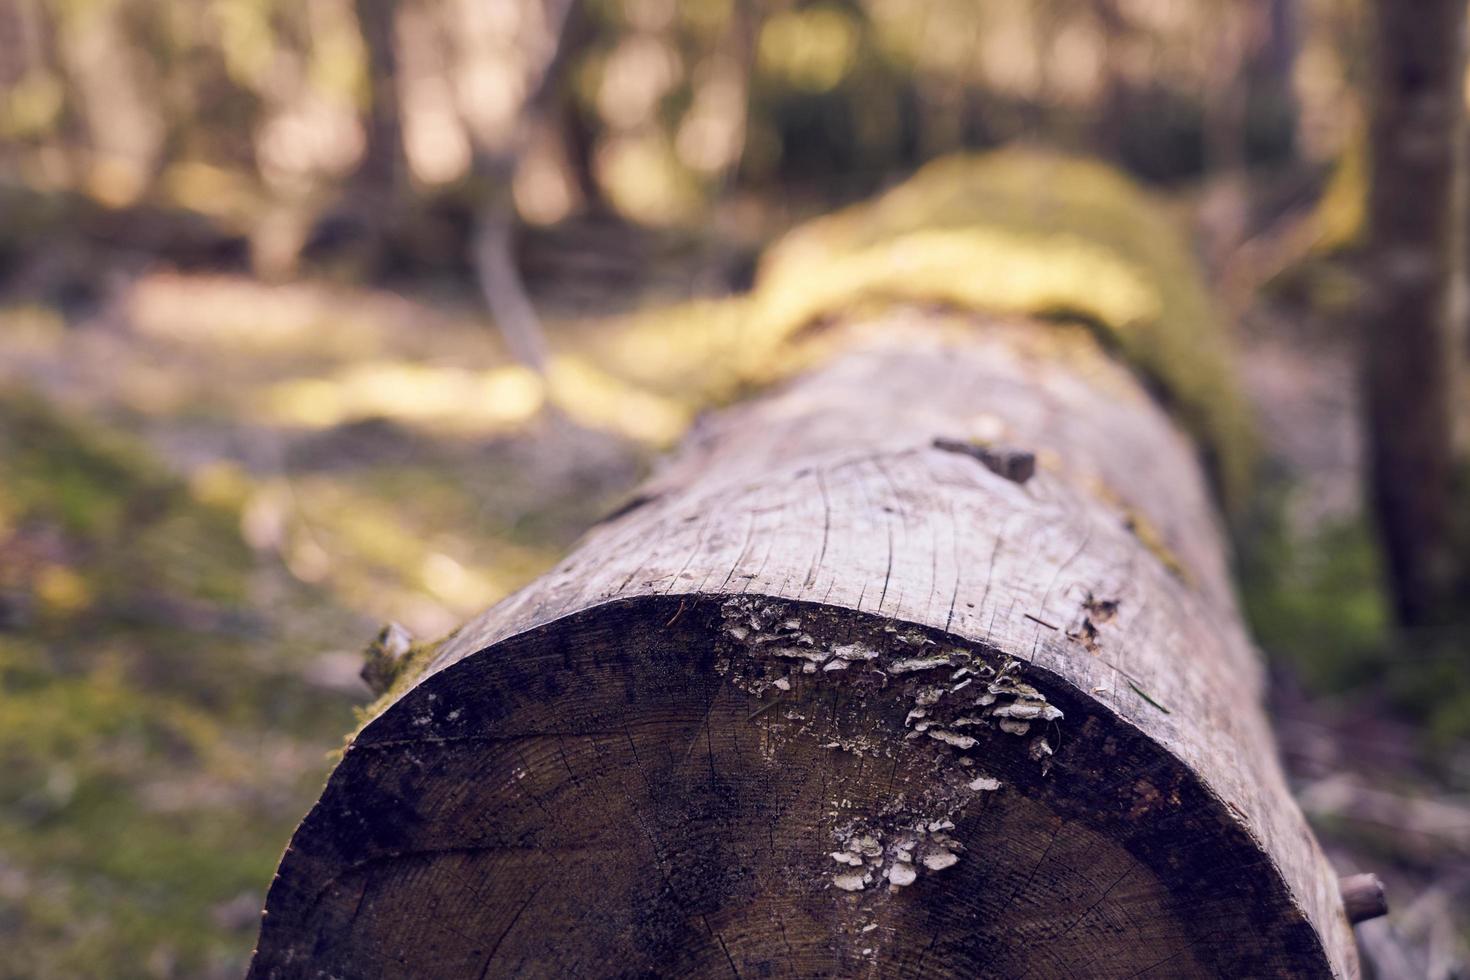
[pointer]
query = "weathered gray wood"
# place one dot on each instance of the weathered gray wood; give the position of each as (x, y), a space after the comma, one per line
(841, 697)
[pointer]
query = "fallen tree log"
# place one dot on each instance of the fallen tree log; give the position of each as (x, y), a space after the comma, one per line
(925, 664)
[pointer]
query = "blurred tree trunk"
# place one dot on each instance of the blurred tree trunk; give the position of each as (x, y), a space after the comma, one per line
(493, 248)
(384, 165)
(375, 220)
(1113, 101)
(1273, 59)
(1224, 95)
(68, 137)
(1416, 214)
(576, 120)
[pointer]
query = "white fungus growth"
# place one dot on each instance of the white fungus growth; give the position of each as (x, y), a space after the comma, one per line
(910, 664)
(1018, 710)
(951, 738)
(939, 860)
(854, 651)
(948, 693)
(799, 653)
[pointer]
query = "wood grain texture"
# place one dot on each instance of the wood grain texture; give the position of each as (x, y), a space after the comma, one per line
(836, 701)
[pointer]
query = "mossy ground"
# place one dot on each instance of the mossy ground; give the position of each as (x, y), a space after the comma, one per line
(154, 741)
(187, 582)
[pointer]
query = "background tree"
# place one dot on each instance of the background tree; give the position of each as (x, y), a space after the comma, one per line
(1411, 357)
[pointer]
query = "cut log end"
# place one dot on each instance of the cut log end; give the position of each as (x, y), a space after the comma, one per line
(778, 788)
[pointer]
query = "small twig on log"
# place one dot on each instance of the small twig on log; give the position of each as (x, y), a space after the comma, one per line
(1016, 465)
(384, 657)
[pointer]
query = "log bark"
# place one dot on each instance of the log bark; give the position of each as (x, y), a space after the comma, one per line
(852, 690)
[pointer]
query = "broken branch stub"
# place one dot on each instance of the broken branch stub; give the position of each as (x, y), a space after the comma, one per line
(385, 656)
(1364, 897)
(823, 705)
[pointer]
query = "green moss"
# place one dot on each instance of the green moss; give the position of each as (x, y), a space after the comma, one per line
(1151, 538)
(405, 674)
(1318, 604)
(1026, 232)
(55, 473)
(1341, 214)
(120, 512)
(1011, 232)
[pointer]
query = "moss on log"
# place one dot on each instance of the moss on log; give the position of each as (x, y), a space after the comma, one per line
(1011, 232)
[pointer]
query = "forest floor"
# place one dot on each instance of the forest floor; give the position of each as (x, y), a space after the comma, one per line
(214, 494)
(216, 490)
(1380, 766)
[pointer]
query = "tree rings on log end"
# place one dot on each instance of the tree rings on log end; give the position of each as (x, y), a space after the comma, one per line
(708, 785)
